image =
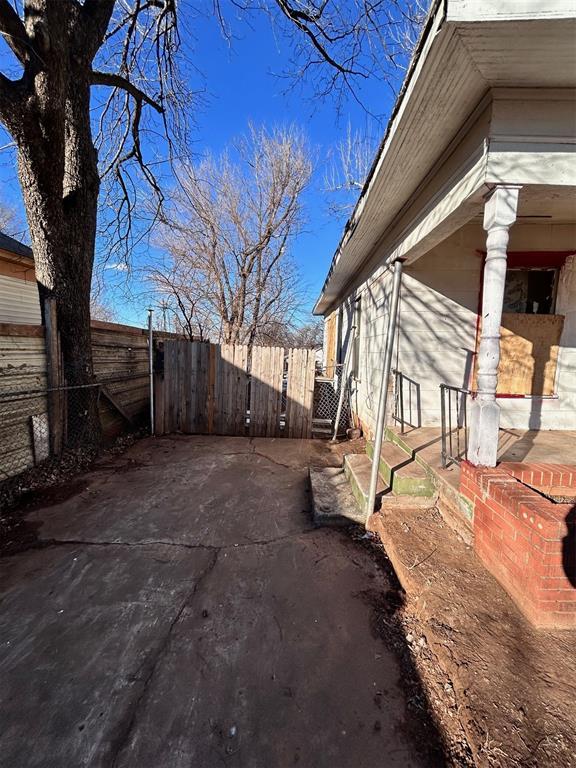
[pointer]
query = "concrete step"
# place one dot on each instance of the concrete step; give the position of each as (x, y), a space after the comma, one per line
(400, 471)
(333, 502)
(357, 467)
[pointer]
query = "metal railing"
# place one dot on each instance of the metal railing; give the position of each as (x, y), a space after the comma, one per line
(453, 401)
(406, 401)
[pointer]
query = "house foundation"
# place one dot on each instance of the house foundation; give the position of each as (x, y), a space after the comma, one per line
(526, 539)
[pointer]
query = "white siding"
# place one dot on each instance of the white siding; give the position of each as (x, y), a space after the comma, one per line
(19, 301)
(437, 327)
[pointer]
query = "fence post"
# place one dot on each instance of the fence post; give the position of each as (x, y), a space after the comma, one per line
(53, 375)
(151, 369)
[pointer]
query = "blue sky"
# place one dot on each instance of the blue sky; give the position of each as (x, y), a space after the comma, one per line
(243, 83)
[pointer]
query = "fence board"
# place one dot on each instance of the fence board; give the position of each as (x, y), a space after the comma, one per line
(239, 390)
(205, 390)
(266, 391)
(300, 393)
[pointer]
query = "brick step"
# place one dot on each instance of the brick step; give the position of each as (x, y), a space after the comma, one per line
(401, 472)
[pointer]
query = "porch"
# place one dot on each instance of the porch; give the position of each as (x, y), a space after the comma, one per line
(531, 446)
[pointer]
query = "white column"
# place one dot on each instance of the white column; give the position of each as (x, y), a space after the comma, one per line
(499, 215)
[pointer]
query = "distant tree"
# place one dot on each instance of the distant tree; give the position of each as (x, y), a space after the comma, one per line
(309, 335)
(228, 274)
(102, 310)
(349, 162)
(9, 221)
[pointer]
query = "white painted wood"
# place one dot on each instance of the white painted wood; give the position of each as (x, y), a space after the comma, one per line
(499, 215)
(478, 10)
(436, 340)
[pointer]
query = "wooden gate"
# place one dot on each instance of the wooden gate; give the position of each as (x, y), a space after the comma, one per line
(221, 389)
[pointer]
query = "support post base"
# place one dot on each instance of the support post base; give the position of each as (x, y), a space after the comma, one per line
(484, 427)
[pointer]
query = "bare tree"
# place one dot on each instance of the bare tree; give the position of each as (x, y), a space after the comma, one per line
(348, 165)
(10, 221)
(227, 233)
(338, 44)
(65, 49)
(309, 335)
(100, 309)
(69, 54)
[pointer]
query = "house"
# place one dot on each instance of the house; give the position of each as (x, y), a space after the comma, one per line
(19, 299)
(452, 295)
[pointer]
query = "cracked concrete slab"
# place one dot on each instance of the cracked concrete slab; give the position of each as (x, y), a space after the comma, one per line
(186, 491)
(80, 630)
(183, 611)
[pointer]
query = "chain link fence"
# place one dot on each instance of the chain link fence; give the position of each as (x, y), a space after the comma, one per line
(328, 385)
(26, 436)
(48, 434)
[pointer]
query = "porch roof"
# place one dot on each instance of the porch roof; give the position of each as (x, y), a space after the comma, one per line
(468, 47)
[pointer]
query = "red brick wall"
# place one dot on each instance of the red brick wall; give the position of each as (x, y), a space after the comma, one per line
(552, 479)
(526, 541)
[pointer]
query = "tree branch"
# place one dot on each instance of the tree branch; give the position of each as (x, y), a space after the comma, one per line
(98, 13)
(301, 20)
(117, 81)
(13, 31)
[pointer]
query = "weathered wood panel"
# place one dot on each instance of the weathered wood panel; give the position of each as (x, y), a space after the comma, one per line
(120, 356)
(331, 342)
(266, 391)
(529, 346)
(529, 353)
(231, 389)
(204, 390)
(22, 369)
(300, 393)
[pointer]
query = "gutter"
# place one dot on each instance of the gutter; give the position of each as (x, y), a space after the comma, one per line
(352, 222)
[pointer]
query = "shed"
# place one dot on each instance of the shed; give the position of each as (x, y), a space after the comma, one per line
(19, 298)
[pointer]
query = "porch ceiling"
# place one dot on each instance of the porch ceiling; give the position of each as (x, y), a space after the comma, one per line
(460, 58)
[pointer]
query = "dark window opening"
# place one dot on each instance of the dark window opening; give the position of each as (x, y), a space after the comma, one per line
(530, 291)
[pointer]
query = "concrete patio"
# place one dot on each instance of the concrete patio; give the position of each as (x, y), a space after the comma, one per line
(181, 609)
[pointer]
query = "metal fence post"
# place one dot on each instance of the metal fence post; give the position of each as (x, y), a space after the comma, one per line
(151, 368)
(443, 428)
(383, 397)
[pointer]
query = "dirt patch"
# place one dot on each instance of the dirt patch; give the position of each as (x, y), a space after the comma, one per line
(432, 713)
(494, 682)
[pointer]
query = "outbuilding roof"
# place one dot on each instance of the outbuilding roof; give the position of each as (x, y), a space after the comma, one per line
(11, 245)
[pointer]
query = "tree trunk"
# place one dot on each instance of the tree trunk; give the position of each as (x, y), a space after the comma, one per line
(60, 190)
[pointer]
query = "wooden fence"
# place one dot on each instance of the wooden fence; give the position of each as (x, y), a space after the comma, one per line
(22, 367)
(222, 390)
(30, 363)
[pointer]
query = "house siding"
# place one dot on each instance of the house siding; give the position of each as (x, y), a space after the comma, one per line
(437, 327)
(19, 300)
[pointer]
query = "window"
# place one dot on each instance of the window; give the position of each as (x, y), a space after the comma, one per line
(356, 329)
(530, 291)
